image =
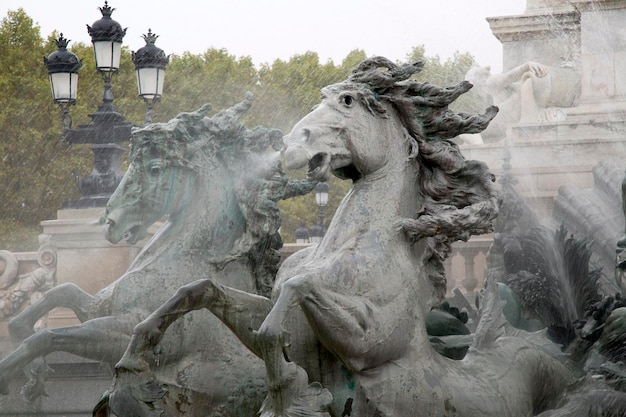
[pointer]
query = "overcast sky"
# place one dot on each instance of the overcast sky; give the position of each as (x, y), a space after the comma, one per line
(270, 29)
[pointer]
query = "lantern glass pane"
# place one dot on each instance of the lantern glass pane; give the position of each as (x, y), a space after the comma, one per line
(64, 86)
(107, 55)
(150, 82)
(321, 199)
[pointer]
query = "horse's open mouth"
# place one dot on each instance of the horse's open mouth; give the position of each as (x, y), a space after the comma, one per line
(319, 167)
(133, 234)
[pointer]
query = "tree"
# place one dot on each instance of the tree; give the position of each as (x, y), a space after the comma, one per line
(39, 169)
(36, 168)
(215, 77)
(448, 73)
(288, 91)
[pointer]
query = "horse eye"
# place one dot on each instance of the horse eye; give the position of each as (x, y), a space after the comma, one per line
(155, 170)
(348, 100)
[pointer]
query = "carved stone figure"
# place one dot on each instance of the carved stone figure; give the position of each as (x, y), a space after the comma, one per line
(19, 291)
(218, 182)
(529, 93)
(344, 330)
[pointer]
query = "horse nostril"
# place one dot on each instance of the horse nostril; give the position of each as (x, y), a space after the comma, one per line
(110, 222)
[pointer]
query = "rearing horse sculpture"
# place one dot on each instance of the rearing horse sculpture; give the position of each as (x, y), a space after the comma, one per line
(218, 182)
(343, 333)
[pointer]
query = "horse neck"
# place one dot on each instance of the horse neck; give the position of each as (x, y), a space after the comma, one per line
(377, 201)
(197, 229)
(370, 212)
(211, 222)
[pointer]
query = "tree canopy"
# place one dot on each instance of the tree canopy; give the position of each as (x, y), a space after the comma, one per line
(39, 169)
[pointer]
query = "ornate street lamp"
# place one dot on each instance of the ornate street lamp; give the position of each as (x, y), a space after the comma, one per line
(316, 232)
(108, 128)
(302, 234)
(106, 36)
(63, 67)
(321, 199)
(150, 63)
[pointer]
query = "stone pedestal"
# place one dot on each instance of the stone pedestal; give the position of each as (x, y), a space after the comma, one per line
(544, 164)
(548, 33)
(588, 36)
(603, 50)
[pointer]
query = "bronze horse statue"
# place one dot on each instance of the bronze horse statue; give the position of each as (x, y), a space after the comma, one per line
(218, 184)
(343, 333)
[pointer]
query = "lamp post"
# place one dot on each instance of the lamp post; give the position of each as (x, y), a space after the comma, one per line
(321, 199)
(150, 63)
(63, 67)
(108, 128)
(316, 232)
(302, 235)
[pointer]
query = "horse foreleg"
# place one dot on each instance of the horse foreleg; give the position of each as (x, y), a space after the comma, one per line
(362, 334)
(65, 295)
(288, 383)
(101, 339)
(242, 312)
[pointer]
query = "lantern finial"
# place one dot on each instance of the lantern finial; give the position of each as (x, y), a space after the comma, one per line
(150, 37)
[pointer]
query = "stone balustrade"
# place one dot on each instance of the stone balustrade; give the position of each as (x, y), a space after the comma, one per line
(465, 267)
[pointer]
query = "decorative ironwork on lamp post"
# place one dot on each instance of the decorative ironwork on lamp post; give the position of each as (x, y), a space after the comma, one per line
(108, 128)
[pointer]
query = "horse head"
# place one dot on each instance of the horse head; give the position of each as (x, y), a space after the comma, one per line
(160, 177)
(382, 123)
(377, 113)
(338, 136)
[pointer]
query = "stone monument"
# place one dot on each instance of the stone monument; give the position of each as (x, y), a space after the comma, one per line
(344, 331)
(579, 36)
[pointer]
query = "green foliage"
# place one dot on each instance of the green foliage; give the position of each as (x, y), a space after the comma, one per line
(39, 169)
(288, 90)
(214, 77)
(449, 73)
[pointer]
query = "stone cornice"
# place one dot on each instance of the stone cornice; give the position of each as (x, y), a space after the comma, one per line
(596, 5)
(535, 26)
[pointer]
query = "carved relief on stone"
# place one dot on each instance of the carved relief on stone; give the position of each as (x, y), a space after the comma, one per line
(18, 291)
(529, 93)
